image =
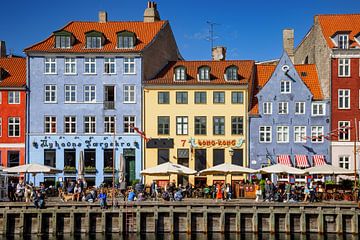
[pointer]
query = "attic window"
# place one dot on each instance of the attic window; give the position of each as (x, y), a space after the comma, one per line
(126, 39)
(231, 73)
(94, 39)
(303, 74)
(204, 73)
(2, 74)
(180, 73)
(343, 42)
(63, 39)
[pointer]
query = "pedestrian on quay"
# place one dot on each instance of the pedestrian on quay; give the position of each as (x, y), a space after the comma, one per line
(11, 191)
(228, 191)
(258, 192)
(306, 193)
(39, 199)
(219, 194)
(27, 193)
(287, 191)
(102, 197)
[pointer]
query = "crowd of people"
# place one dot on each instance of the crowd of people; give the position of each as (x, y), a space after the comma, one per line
(23, 191)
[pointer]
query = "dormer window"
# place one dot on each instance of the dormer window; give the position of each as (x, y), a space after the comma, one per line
(231, 73)
(3, 74)
(285, 86)
(204, 73)
(63, 39)
(94, 39)
(343, 41)
(180, 73)
(126, 39)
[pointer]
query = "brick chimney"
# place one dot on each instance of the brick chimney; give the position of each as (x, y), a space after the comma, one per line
(2, 49)
(151, 13)
(218, 53)
(102, 17)
(288, 42)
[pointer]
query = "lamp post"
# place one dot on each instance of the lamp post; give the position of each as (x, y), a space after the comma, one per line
(231, 153)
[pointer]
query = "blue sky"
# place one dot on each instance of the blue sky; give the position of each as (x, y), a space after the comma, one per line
(249, 29)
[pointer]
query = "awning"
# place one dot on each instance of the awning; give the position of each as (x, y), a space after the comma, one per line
(301, 161)
(319, 160)
(284, 159)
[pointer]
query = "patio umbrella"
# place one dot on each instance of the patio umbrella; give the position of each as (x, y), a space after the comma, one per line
(327, 169)
(226, 168)
(280, 168)
(168, 168)
(81, 172)
(121, 168)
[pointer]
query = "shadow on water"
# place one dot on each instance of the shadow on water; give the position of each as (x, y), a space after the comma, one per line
(181, 236)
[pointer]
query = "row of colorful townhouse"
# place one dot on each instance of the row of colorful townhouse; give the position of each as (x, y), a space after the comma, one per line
(105, 87)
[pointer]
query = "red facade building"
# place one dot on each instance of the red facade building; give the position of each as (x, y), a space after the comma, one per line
(12, 110)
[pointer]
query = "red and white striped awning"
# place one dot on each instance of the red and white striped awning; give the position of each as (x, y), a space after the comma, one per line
(319, 160)
(284, 159)
(301, 161)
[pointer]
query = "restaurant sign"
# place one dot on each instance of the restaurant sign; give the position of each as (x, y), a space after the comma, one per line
(222, 143)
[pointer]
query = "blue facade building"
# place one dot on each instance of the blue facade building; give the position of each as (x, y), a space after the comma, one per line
(289, 118)
(85, 95)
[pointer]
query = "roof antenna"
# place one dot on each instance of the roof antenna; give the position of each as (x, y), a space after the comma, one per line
(211, 36)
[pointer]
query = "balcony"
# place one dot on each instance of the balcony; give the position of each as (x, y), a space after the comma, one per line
(108, 105)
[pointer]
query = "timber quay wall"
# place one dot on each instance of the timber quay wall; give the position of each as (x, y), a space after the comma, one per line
(157, 217)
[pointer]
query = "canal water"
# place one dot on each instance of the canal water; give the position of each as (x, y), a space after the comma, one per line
(198, 236)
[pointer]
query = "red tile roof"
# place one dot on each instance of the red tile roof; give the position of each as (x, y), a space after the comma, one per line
(15, 72)
(332, 23)
(145, 33)
(217, 72)
(264, 72)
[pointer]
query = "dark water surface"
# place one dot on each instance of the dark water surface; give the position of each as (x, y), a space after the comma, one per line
(198, 236)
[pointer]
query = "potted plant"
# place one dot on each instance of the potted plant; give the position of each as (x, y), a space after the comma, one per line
(69, 169)
(108, 169)
(90, 169)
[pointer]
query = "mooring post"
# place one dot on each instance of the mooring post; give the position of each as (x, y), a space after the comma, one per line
(339, 219)
(103, 222)
(222, 219)
(40, 218)
(188, 215)
(156, 218)
(121, 219)
(171, 218)
(205, 220)
(302, 220)
(255, 220)
(5, 223)
(54, 222)
(354, 221)
(238, 219)
(138, 220)
(320, 220)
(22, 223)
(272, 220)
(72, 222)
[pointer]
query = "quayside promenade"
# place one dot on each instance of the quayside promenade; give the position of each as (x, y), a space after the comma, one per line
(195, 216)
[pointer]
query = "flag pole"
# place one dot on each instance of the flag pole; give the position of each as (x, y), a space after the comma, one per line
(113, 172)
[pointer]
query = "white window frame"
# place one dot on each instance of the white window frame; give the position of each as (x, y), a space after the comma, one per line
(129, 62)
(317, 131)
(315, 107)
(129, 94)
(285, 87)
(91, 122)
(109, 120)
(182, 125)
(90, 44)
(300, 134)
(180, 73)
(51, 62)
(267, 108)
(50, 120)
(70, 66)
(90, 89)
(300, 106)
(70, 122)
(70, 91)
(204, 74)
(14, 97)
(282, 134)
(127, 120)
(344, 97)
(0, 127)
(266, 131)
(283, 106)
(109, 61)
(14, 125)
(90, 62)
(342, 161)
(0, 97)
(340, 123)
(52, 93)
(344, 42)
(343, 63)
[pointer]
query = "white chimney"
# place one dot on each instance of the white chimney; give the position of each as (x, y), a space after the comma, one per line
(151, 13)
(102, 17)
(218, 53)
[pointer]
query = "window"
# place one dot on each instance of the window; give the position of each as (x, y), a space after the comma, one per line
(129, 123)
(163, 98)
(180, 73)
(181, 97)
(108, 158)
(163, 125)
(219, 125)
(219, 97)
(93, 42)
(344, 161)
(318, 109)
(50, 124)
(70, 93)
(13, 158)
(129, 66)
(267, 107)
(181, 125)
(200, 125)
(0, 131)
(237, 125)
(14, 127)
(0, 98)
(50, 157)
(344, 130)
(238, 157)
(282, 134)
(109, 65)
(126, 40)
(89, 124)
(89, 93)
(218, 156)
(129, 94)
(300, 108)
(300, 134)
(285, 87)
(343, 41)
(109, 124)
(69, 158)
(62, 41)
(50, 65)
(109, 97)
(317, 134)
(204, 73)
(163, 156)
(90, 66)
(70, 124)
(344, 99)
(200, 97)
(70, 66)
(283, 108)
(344, 67)
(90, 158)
(231, 73)
(237, 97)
(14, 97)
(265, 134)
(200, 159)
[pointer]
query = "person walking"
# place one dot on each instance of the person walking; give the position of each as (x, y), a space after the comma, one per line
(258, 192)
(102, 197)
(219, 194)
(287, 191)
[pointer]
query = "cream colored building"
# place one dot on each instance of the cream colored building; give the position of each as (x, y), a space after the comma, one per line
(196, 114)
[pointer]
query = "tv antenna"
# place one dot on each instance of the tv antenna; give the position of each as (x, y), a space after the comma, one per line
(211, 36)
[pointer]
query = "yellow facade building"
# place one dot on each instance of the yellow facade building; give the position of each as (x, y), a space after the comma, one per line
(196, 114)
